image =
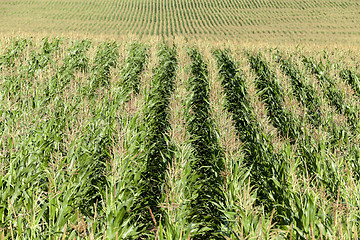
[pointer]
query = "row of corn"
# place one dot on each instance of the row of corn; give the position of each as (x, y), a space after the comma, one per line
(110, 181)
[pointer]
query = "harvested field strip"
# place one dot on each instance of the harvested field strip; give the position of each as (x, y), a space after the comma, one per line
(283, 21)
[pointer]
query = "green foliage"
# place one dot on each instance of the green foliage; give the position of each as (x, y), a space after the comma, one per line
(304, 93)
(13, 52)
(39, 60)
(335, 96)
(18, 82)
(28, 163)
(91, 155)
(156, 147)
(205, 183)
(352, 78)
(267, 170)
(271, 93)
(133, 66)
(106, 57)
(310, 150)
(74, 166)
(75, 60)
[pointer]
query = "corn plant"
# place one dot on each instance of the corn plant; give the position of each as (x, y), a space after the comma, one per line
(91, 154)
(308, 148)
(106, 57)
(133, 66)
(85, 168)
(271, 93)
(267, 170)
(13, 52)
(123, 191)
(352, 78)
(237, 102)
(304, 93)
(335, 96)
(13, 84)
(109, 194)
(312, 160)
(75, 60)
(156, 147)
(205, 183)
(29, 162)
(39, 60)
(259, 152)
(337, 134)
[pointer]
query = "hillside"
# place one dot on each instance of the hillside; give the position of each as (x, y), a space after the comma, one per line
(299, 21)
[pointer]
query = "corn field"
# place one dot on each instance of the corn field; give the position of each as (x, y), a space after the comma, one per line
(284, 21)
(177, 140)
